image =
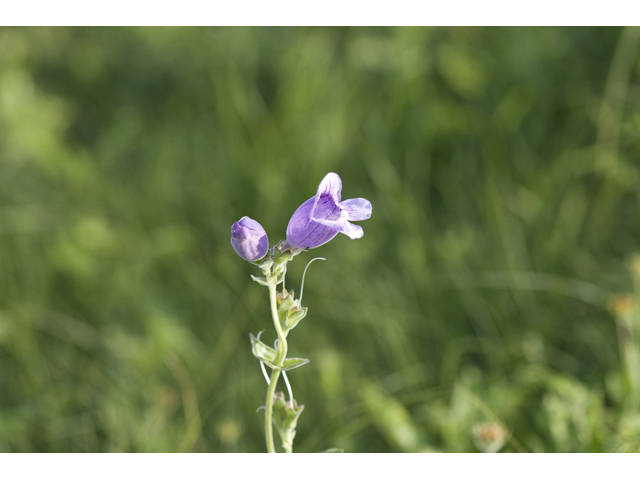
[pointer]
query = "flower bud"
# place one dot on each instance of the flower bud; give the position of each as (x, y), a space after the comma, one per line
(249, 239)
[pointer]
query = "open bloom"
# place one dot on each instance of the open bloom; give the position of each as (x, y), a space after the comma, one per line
(249, 239)
(320, 218)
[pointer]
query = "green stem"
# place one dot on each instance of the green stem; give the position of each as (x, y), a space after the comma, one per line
(268, 424)
(275, 374)
(281, 354)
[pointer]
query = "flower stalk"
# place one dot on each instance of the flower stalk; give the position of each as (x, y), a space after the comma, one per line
(275, 374)
(282, 339)
(268, 418)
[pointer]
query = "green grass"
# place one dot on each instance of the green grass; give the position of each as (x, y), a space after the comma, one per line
(503, 169)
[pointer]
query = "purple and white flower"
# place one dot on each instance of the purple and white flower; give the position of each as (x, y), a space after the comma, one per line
(249, 239)
(320, 218)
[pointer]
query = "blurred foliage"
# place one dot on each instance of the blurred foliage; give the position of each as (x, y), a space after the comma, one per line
(492, 303)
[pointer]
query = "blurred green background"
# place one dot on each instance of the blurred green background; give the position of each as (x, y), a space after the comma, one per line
(490, 305)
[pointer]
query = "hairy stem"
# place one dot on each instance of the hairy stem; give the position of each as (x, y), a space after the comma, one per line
(268, 424)
(275, 374)
(281, 354)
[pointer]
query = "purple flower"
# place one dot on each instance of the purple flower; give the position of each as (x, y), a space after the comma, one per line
(320, 218)
(249, 239)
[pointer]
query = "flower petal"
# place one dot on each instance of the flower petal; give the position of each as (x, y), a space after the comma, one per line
(320, 218)
(302, 232)
(324, 208)
(351, 230)
(330, 185)
(342, 225)
(356, 209)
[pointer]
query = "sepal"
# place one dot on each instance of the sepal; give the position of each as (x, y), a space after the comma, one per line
(289, 310)
(283, 258)
(285, 300)
(285, 419)
(294, 316)
(266, 264)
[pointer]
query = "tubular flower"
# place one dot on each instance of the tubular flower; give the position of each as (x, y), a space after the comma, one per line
(320, 218)
(249, 239)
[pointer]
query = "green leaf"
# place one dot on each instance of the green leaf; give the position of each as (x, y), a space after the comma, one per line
(267, 355)
(262, 351)
(291, 363)
(332, 450)
(260, 280)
